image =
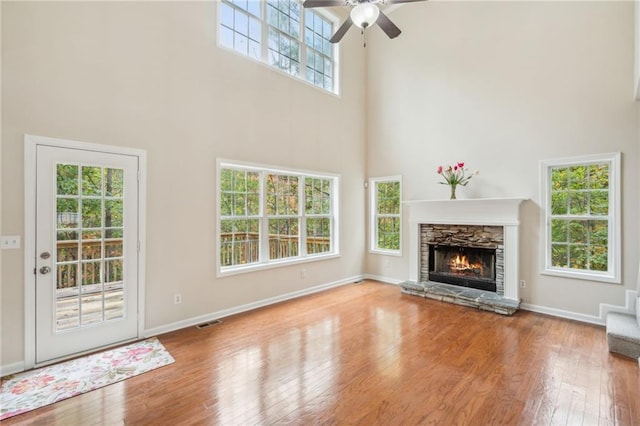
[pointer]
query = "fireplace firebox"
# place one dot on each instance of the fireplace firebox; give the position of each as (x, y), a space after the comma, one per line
(463, 266)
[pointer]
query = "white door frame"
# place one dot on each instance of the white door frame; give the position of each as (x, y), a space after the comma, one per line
(31, 143)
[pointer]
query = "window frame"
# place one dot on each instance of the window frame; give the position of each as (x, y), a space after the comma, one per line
(613, 274)
(263, 257)
(373, 215)
(264, 43)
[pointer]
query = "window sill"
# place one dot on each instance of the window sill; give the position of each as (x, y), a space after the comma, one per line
(236, 270)
(396, 253)
(603, 278)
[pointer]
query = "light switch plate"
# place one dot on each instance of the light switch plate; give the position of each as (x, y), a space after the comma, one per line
(10, 242)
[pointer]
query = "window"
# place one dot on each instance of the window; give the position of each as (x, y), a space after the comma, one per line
(240, 216)
(386, 214)
(581, 204)
(278, 33)
(270, 216)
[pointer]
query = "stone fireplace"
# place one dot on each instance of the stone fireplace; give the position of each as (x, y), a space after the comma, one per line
(464, 255)
(465, 252)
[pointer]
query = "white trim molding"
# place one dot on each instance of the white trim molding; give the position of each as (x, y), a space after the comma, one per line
(373, 215)
(31, 143)
(12, 368)
(263, 217)
(601, 319)
(613, 218)
(382, 279)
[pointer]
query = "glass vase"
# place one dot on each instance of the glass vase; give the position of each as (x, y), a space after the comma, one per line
(453, 192)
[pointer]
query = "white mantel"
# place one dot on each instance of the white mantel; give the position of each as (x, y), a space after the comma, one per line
(503, 212)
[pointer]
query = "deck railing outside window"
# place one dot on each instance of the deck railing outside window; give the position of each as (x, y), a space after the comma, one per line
(247, 251)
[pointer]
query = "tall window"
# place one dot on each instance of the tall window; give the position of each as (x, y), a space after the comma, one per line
(240, 217)
(282, 212)
(269, 216)
(278, 33)
(581, 202)
(317, 195)
(386, 214)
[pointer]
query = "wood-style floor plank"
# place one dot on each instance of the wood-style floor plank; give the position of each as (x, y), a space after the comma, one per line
(367, 354)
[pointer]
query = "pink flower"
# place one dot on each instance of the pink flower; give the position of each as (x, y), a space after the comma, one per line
(139, 351)
(455, 174)
(66, 386)
(29, 384)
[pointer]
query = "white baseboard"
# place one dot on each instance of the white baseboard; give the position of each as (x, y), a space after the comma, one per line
(628, 308)
(591, 319)
(244, 308)
(14, 368)
(380, 278)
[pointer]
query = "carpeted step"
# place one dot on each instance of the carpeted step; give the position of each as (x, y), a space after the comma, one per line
(623, 334)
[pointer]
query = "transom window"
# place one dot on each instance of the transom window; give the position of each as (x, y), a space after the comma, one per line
(582, 217)
(386, 214)
(284, 35)
(268, 217)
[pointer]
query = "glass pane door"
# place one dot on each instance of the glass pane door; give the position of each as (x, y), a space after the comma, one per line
(89, 245)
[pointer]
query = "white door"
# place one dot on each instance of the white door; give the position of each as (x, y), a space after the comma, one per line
(86, 248)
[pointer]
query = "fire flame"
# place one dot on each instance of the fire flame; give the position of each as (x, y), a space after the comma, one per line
(461, 264)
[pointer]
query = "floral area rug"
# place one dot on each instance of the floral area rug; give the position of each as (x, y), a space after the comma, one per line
(36, 388)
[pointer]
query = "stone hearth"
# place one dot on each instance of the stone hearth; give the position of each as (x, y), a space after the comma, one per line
(479, 299)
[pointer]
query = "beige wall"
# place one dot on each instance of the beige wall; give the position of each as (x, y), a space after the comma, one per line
(149, 75)
(503, 85)
(500, 85)
(636, 78)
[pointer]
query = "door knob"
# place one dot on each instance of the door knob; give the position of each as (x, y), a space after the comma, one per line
(45, 270)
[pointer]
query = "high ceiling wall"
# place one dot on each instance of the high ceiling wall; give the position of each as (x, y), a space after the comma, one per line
(149, 75)
(501, 86)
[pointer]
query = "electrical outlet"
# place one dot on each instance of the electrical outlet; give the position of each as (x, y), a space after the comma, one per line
(177, 298)
(303, 273)
(523, 283)
(10, 242)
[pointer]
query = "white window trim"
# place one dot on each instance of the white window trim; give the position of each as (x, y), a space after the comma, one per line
(613, 275)
(373, 228)
(303, 60)
(303, 257)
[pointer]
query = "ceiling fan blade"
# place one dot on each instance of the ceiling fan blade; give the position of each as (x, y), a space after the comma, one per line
(390, 29)
(323, 3)
(341, 31)
(401, 1)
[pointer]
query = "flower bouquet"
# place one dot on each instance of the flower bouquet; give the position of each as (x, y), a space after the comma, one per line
(455, 175)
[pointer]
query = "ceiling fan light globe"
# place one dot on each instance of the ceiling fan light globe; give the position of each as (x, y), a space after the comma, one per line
(364, 15)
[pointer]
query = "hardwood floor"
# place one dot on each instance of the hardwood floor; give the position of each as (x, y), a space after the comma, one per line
(367, 354)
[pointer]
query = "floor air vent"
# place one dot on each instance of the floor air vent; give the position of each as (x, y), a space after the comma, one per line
(208, 324)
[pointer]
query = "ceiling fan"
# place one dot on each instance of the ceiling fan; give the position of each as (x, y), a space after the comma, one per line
(364, 14)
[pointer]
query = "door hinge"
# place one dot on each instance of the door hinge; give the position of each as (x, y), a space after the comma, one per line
(35, 271)
(139, 175)
(138, 246)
